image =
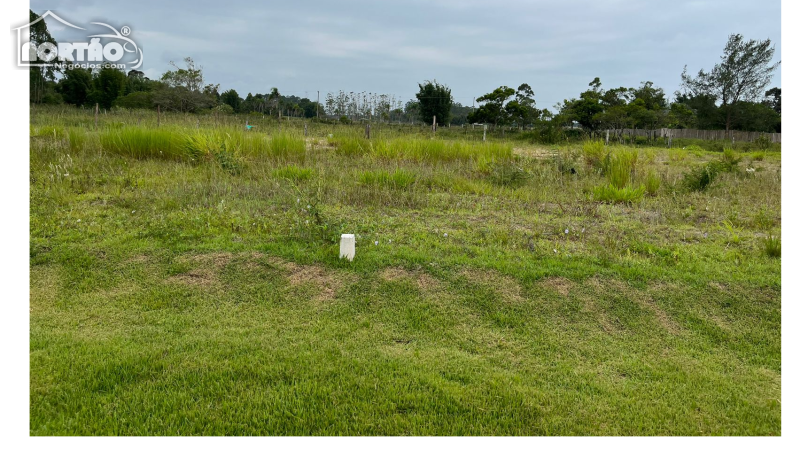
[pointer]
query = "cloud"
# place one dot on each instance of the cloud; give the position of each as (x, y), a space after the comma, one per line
(473, 46)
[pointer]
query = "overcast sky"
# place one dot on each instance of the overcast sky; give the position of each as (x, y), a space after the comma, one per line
(472, 46)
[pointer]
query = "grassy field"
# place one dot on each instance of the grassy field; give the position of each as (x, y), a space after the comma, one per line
(185, 280)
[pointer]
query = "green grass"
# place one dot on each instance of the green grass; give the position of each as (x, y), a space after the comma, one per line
(178, 297)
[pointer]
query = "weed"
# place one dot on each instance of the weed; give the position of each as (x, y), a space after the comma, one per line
(772, 246)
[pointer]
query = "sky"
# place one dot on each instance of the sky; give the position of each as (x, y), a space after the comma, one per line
(303, 47)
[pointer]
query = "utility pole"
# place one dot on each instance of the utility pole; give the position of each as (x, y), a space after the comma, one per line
(318, 106)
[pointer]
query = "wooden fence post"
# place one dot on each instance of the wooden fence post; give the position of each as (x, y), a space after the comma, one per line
(433, 127)
(366, 131)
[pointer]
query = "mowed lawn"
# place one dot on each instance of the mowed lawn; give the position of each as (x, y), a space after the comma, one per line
(172, 297)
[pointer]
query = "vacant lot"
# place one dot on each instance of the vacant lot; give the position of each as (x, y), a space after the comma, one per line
(185, 280)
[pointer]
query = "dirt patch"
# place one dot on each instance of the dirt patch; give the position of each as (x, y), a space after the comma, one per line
(561, 285)
(507, 287)
(422, 280)
(207, 273)
(327, 283)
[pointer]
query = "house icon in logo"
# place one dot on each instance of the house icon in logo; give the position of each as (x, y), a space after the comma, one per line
(28, 53)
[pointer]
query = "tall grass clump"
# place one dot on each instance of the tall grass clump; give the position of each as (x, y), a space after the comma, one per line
(652, 182)
(613, 194)
(287, 146)
(700, 177)
(399, 179)
(142, 143)
(293, 173)
(620, 166)
(76, 138)
(350, 145)
(772, 246)
(594, 153)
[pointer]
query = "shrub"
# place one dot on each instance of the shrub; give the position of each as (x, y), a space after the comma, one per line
(700, 177)
(757, 156)
(730, 160)
(762, 142)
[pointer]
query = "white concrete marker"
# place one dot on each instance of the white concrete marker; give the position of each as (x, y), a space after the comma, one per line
(347, 247)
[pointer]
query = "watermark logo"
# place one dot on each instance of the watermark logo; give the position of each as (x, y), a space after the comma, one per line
(114, 49)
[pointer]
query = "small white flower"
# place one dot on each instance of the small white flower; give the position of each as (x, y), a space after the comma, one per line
(555, 251)
(79, 220)
(66, 174)
(308, 206)
(306, 221)
(376, 242)
(298, 200)
(566, 231)
(445, 235)
(390, 241)
(133, 212)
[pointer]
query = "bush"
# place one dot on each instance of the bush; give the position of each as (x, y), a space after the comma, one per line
(763, 142)
(730, 160)
(757, 156)
(700, 177)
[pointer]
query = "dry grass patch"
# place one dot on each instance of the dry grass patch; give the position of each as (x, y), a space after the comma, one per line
(507, 287)
(326, 282)
(422, 280)
(561, 285)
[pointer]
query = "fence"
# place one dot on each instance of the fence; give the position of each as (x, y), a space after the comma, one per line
(686, 133)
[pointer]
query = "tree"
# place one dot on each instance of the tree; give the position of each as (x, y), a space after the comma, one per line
(742, 75)
(707, 116)
(680, 116)
(42, 79)
(773, 99)
(493, 110)
(181, 99)
(274, 99)
(522, 109)
(191, 77)
(135, 100)
(108, 85)
(75, 86)
(585, 110)
(434, 100)
(232, 99)
(137, 82)
(652, 98)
